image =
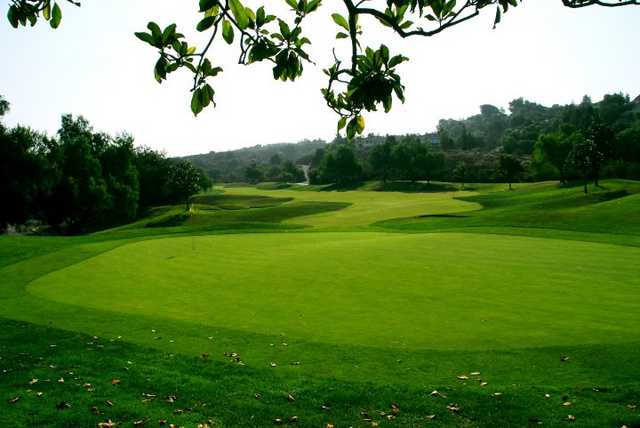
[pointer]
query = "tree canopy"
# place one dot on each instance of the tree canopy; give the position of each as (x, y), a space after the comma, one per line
(366, 81)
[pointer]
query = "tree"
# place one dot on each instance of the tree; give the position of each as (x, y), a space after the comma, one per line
(582, 156)
(433, 163)
(510, 167)
(21, 175)
(366, 81)
(460, 174)
(601, 137)
(4, 106)
(275, 160)
(554, 148)
(121, 176)
(153, 170)
(183, 182)
(381, 158)
(253, 174)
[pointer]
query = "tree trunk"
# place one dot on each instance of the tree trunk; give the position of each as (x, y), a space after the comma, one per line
(510, 186)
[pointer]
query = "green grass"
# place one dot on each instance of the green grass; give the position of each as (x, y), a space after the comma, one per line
(360, 299)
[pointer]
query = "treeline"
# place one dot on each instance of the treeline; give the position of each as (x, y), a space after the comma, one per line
(83, 180)
(530, 142)
(270, 162)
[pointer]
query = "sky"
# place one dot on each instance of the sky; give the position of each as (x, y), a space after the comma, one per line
(94, 66)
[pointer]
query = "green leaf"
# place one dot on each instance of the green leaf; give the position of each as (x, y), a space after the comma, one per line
(205, 24)
(155, 33)
(145, 37)
(284, 29)
(239, 13)
(342, 123)
(398, 59)
(205, 5)
(498, 16)
(227, 31)
(56, 16)
(196, 104)
(161, 69)
(342, 35)
(46, 12)
(360, 124)
(340, 20)
(13, 17)
(351, 129)
(168, 34)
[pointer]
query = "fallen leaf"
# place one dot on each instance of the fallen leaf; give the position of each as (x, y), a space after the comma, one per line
(463, 377)
(564, 358)
(273, 364)
(14, 400)
(497, 394)
(567, 403)
(436, 393)
(430, 417)
(109, 403)
(116, 382)
(33, 381)
(39, 394)
(291, 397)
(571, 418)
(293, 419)
(453, 407)
(484, 383)
(95, 410)
(329, 426)
(61, 380)
(475, 373)
(107, 424)
(631, 406)
(140, 423)
(277, 421)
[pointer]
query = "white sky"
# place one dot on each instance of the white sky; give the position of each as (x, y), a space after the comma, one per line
(92, 65)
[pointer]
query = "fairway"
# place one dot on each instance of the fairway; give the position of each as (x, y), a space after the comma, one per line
(367, 207)
(345, 301)
(434, 291)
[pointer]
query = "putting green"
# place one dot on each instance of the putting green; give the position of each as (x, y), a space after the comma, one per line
(433, 291)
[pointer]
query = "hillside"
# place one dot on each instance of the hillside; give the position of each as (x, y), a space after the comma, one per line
(230, 166)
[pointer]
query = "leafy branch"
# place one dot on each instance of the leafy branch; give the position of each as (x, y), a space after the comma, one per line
(367, 81)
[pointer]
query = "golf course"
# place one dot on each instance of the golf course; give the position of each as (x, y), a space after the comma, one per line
(305, 306)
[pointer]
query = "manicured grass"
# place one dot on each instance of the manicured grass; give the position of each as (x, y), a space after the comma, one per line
(366, 206)
(366, 288)
(341, 301)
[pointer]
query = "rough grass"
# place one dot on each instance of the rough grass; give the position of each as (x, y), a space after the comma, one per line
(352, 321)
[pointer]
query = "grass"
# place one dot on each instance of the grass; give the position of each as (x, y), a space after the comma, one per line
(351, 300)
